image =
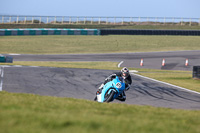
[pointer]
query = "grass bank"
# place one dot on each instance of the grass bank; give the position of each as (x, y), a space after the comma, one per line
(22, 113)
(180, 78)
(83, 64)
(95, 44)
(103, 26)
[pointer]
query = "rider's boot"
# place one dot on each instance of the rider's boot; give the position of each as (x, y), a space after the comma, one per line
(122, 97)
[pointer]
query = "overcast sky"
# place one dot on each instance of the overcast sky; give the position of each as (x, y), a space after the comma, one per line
(125, 8)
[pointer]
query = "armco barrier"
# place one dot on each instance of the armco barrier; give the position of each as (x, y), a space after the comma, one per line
(150, 32)
(15, 32)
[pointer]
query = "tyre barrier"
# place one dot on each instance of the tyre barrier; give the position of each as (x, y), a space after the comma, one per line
(52, 31)
(15, 32)
(149, 32)
(196, 72)
(6, 59)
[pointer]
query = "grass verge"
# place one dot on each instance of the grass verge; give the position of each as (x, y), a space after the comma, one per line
(103, 26)
(180, 78)
(22, 113)
(83, 64)
(95, 44)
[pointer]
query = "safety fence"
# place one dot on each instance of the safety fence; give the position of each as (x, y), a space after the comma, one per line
(98, 20)
(11, 32)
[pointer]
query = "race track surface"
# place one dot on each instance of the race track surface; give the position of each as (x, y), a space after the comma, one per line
(174, 60)
(83, 83)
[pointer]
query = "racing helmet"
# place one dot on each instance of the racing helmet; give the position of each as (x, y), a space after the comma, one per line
(125, 72)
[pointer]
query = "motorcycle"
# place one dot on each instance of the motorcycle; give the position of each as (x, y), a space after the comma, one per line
(111, 90)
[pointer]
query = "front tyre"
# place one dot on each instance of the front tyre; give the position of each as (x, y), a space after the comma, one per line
(109, 97)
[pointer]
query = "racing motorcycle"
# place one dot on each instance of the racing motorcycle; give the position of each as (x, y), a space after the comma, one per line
(111, 90)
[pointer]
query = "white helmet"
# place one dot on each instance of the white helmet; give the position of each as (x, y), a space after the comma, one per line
(125, 72)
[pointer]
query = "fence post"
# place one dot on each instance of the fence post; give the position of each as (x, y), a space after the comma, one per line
(55, 20)
(32, 19)
(122, 20)
(10, 20)
(100, 20)
(40, 20)
(17, 19)
(106, 20)
(62, 19)
(199, 21)
(181, 21)
(91, 20)
(164, 20)
(2, 19)
(25, 20)
(190, 22)
(84, 20)
(47, 19)
(77, 20)
(69, 20)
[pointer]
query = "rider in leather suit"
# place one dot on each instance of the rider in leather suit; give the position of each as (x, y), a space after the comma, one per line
(128, 81)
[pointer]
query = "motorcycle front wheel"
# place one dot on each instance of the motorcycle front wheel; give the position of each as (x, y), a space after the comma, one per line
(109, 97)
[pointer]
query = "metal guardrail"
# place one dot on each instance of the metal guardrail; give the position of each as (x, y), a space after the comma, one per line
(5, 19)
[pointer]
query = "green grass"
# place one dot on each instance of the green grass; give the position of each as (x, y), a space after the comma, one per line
(90, 26)
(95, 44)
(82, 64)
(22, 113)
(180, 78)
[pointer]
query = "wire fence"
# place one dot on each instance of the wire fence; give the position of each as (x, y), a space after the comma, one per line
(5, 19)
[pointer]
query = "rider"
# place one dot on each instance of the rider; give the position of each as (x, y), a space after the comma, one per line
(127, 78)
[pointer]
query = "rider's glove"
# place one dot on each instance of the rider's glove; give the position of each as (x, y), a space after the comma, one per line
(112, 76)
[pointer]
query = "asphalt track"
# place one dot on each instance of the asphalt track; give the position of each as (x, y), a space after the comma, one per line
(174, 60)
(83, 83)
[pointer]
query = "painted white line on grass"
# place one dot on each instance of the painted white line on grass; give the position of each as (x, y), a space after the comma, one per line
(120, 63)
(166, 83)
(1, 77)
(13, 54)
(17, 66)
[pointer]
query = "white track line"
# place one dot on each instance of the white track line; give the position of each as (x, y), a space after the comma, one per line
(1, 77)
(165, 83)
(120, 64)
